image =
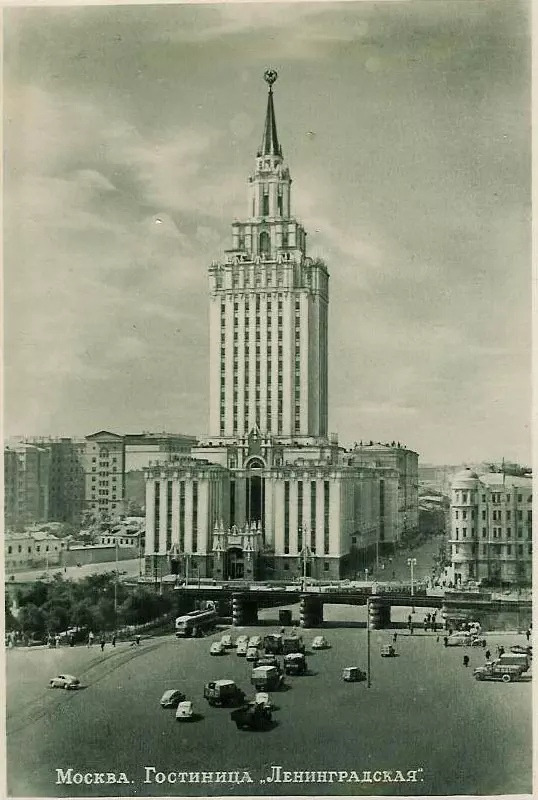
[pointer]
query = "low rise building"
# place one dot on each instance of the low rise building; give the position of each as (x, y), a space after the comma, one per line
(491, 528)
(32, 549)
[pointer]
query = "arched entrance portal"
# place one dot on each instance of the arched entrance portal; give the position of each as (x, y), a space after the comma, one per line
(255, 492)
(235, 564)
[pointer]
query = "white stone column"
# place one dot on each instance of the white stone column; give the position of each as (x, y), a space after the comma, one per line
(320, 505)
(278, 509)
(228, 360)
(334, 517)
(188, 514)
(293, 517)
(268, 511)
(175, 511)
(162, 516)
(150, 517)
(288, 360)
(203, 515)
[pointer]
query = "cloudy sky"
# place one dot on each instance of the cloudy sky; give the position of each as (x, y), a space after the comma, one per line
(129, 134)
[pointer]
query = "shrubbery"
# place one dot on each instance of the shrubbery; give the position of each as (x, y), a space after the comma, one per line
(54, 606)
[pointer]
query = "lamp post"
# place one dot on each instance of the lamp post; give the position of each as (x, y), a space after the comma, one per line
(368, 666)
(412, 562)
(305, 555)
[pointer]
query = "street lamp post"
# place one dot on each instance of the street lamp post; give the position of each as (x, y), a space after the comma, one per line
(305, 554)
(412, 562)
(368, 666)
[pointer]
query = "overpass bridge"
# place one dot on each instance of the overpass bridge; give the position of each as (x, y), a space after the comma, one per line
(245, 602)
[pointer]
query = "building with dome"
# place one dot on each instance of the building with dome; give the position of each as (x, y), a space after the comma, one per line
(270, 492)
(491, 528)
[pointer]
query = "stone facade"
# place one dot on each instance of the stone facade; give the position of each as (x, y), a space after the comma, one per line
(491, 528)
(269, 494)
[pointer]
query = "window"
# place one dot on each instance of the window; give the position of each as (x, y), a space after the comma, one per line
(484, 533)
(457, 514)
(286, 516)
(519, 498)
(326, 566)
(509, 533)
(507, 498)
(457, 532)
(483, 514)
(508, 549)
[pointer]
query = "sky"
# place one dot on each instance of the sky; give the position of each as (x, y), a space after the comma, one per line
(129, 135)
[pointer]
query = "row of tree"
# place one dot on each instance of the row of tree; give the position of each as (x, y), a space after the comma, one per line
(97, 602)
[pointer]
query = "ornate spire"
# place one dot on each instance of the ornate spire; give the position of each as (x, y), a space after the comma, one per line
(270, 145)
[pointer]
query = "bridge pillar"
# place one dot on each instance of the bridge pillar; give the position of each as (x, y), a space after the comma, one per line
(310, 612)
(244, 612)
(379, 613)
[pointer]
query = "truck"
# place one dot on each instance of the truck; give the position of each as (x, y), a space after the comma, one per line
(497, 671)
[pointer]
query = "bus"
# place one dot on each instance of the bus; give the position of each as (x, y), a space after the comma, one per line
(195, 623)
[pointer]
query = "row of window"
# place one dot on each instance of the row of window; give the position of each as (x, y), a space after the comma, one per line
(496, 533)
(496, 514)
(496, 497)
(497, 549)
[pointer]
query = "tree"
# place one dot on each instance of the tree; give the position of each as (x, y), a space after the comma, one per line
(32, 620)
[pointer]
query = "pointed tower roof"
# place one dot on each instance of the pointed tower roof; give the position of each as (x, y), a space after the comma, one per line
(270, 145)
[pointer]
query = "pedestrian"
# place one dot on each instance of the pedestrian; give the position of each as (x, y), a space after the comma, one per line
(137, 637)
(411, 628)
(409, 619)
(394, 637)
(57, 640)
(528, 634)
(445, 641)
(114, 640)
(102, 642)
(501, 651)
(488, 655)
(393, 575)
(437, 640)
(71, 641)
(465, 661)
(450, 631)
(425, 625)
(90, 638)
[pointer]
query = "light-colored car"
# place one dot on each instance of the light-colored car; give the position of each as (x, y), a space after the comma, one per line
(217, 649)
(64, 682)
(241, 649)
(320, 643)
(252, 653)
(226, 641)
(184, 710)
(242, 639)
(171, 698)
(255, 641)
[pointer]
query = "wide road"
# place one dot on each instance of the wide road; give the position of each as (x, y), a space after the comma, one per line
(424, 711)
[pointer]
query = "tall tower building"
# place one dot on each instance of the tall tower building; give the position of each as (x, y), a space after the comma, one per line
(268, 493)
(268, 313)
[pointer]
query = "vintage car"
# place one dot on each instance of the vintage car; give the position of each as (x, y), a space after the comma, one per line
(241, 649)
(292, 644)
(353, 674)
(272, 643)
(320, 643)
(495, 671)
(465, 639)
(255, 641)
(242, 639)
(388, 651)
(251, 716)
(224, 692)
(217, 649)
(295, 664)
(226, 641)
(266, 679)
(64, 682)
(171, 698)
(252, 653)
(268, 661)
(184, 711)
